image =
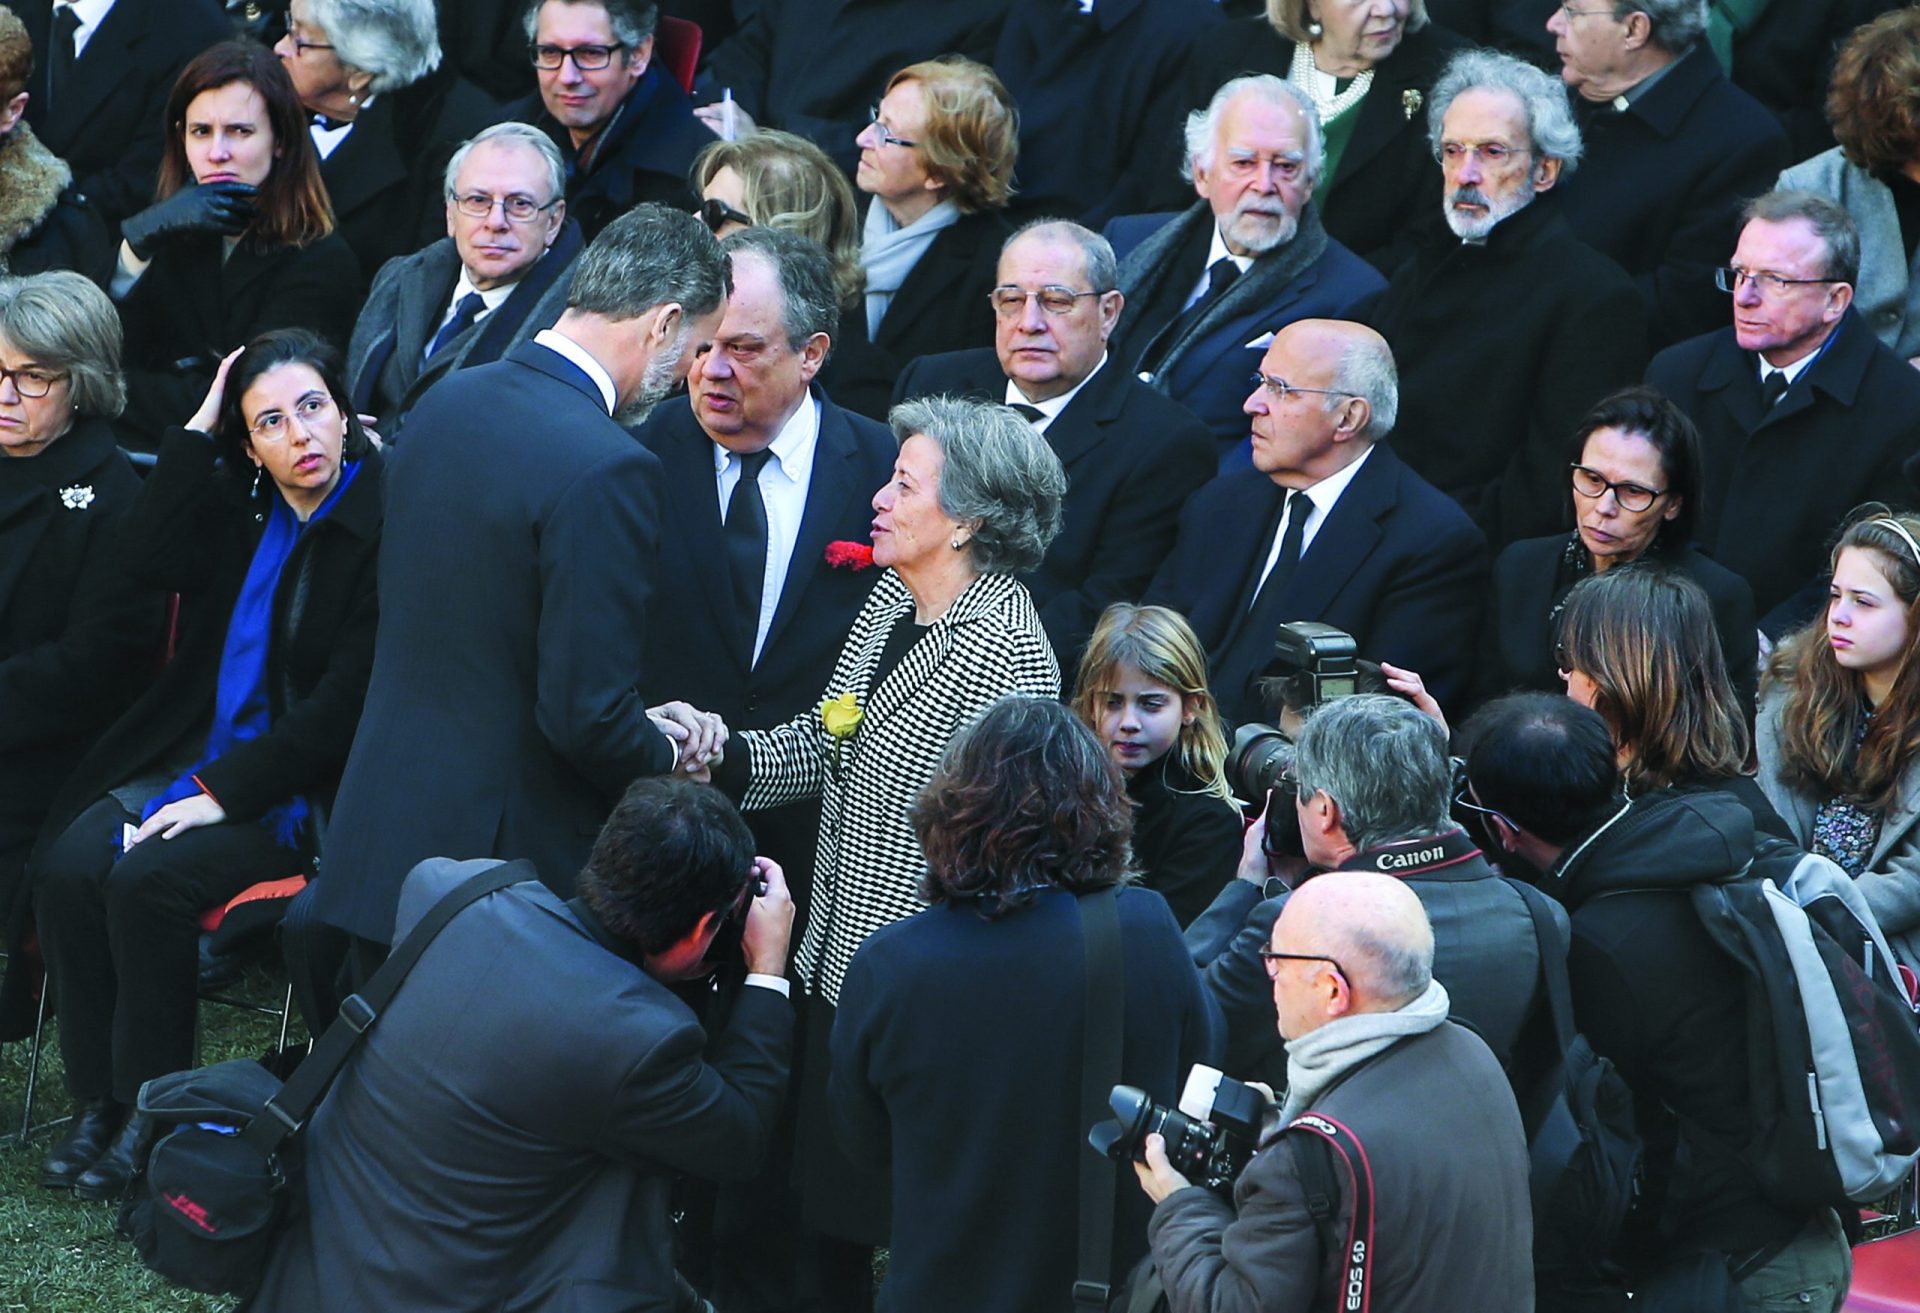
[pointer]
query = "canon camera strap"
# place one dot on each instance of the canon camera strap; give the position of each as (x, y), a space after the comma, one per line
(1320, 1173)
(1416, 856)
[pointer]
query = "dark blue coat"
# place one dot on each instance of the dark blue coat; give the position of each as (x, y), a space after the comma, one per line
(957, 1051)
(1396, 564)
(503, 718)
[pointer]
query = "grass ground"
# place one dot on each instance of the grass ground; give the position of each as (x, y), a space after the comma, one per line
(60, 1255)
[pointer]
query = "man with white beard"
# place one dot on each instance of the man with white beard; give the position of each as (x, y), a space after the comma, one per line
(1508, 330)
(1207, 289)
(504, 716)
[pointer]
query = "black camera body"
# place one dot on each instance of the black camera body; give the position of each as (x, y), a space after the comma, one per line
(1312, 664)
(1210, 1138)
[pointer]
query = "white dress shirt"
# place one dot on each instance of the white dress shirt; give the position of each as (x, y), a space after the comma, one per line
(91, 14)
(1050, 408)
(784, 481)
(592, 368)
(1322, 495)
(327, 140)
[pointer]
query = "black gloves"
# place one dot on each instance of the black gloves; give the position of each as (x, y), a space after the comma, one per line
(216, 207)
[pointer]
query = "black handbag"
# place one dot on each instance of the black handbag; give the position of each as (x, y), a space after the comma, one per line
(219, 1161)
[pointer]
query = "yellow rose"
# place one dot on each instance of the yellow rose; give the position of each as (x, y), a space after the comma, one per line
(841, 716)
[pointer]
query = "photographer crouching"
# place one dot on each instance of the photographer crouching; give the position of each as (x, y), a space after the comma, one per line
(1432, 1208)
(511, 1127)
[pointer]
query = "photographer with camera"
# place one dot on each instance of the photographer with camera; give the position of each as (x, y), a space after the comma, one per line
(1370, 789)
(1435, 1214)
(514, 1122)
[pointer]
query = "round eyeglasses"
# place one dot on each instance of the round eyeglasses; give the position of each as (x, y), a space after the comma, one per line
(276, 425)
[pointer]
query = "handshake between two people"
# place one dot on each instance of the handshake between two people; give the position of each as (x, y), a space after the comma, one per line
(700, 737)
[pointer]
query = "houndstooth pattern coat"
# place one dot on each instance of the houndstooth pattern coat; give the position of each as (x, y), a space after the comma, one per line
(989, 643)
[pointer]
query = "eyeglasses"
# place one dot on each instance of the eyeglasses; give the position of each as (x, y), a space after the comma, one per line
(1731, 277)
(1631, 496)
(1490, 153)
(275, 425)
(31, 382)
(1571, 12)
(1279, 389)
(587, 59)
(1271, 957)
(1010, 301)
(717, 214)
(880, 131)
(1465, 802)
(520, 209)
(302, 47)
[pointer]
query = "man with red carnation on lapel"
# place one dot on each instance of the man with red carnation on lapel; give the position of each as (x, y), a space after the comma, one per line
(765, 514)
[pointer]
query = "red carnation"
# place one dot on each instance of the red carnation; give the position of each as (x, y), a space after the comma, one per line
(849, 555)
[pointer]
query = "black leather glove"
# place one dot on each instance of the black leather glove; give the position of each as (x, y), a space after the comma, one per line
(216, 207)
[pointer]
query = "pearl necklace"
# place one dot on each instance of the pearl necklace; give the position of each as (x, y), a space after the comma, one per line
(1319, 86)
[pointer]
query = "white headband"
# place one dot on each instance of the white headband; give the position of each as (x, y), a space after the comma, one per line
(1900, 529)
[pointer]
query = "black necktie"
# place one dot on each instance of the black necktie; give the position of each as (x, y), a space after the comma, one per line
(1772, 388)
(745, 536)
(60, 56)
(1031, 414)
(1299, 509)
(1220, 276)
(463, 316)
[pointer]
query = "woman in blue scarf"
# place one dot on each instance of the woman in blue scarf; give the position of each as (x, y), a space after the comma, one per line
(263, 516)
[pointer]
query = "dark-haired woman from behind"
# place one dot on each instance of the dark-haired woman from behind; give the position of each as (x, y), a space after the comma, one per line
(958, 1043)
(240, 238)
(1635, 484)
(1839, 726)
(263, 514)
(1638, 646)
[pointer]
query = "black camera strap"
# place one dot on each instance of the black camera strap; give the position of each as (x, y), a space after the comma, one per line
(286, 1112)
(1099, 1073)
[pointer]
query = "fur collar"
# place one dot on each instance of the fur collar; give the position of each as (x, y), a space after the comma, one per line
(31, 180)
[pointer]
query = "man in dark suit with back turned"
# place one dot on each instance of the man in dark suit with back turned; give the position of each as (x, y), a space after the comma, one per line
(1207, 288)
(1132, 457)
(98, 96)
(502, 719)
(1328, 525)
(553, 1084)
(494, 281)
(1803, 414)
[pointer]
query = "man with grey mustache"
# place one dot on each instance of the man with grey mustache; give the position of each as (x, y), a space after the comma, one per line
(1207, 289)
(1507, 327)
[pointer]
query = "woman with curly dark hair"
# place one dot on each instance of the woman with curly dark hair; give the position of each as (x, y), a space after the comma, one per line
(963, 1026)
(1874, 173)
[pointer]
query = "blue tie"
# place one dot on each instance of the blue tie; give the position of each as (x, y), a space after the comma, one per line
(463, 316)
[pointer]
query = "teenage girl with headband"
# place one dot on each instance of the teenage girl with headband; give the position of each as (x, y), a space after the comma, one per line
(1839, 723)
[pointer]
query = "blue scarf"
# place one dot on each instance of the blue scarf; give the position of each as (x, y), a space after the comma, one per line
(240, 698)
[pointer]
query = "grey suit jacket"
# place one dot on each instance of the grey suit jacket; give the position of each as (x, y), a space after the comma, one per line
(506, 1139)
(385, 372)
(1891, 882)
(1887, 294)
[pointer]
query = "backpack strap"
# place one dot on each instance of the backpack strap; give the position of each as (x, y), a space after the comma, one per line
(287, 1111)
(1553, 964)
(1330, 1151)
(1099, 1073)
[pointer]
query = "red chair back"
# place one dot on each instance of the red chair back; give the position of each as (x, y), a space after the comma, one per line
(676, 44)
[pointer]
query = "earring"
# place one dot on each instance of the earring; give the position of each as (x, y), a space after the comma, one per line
(259, 472)
(1314, 30)
(955, 542)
